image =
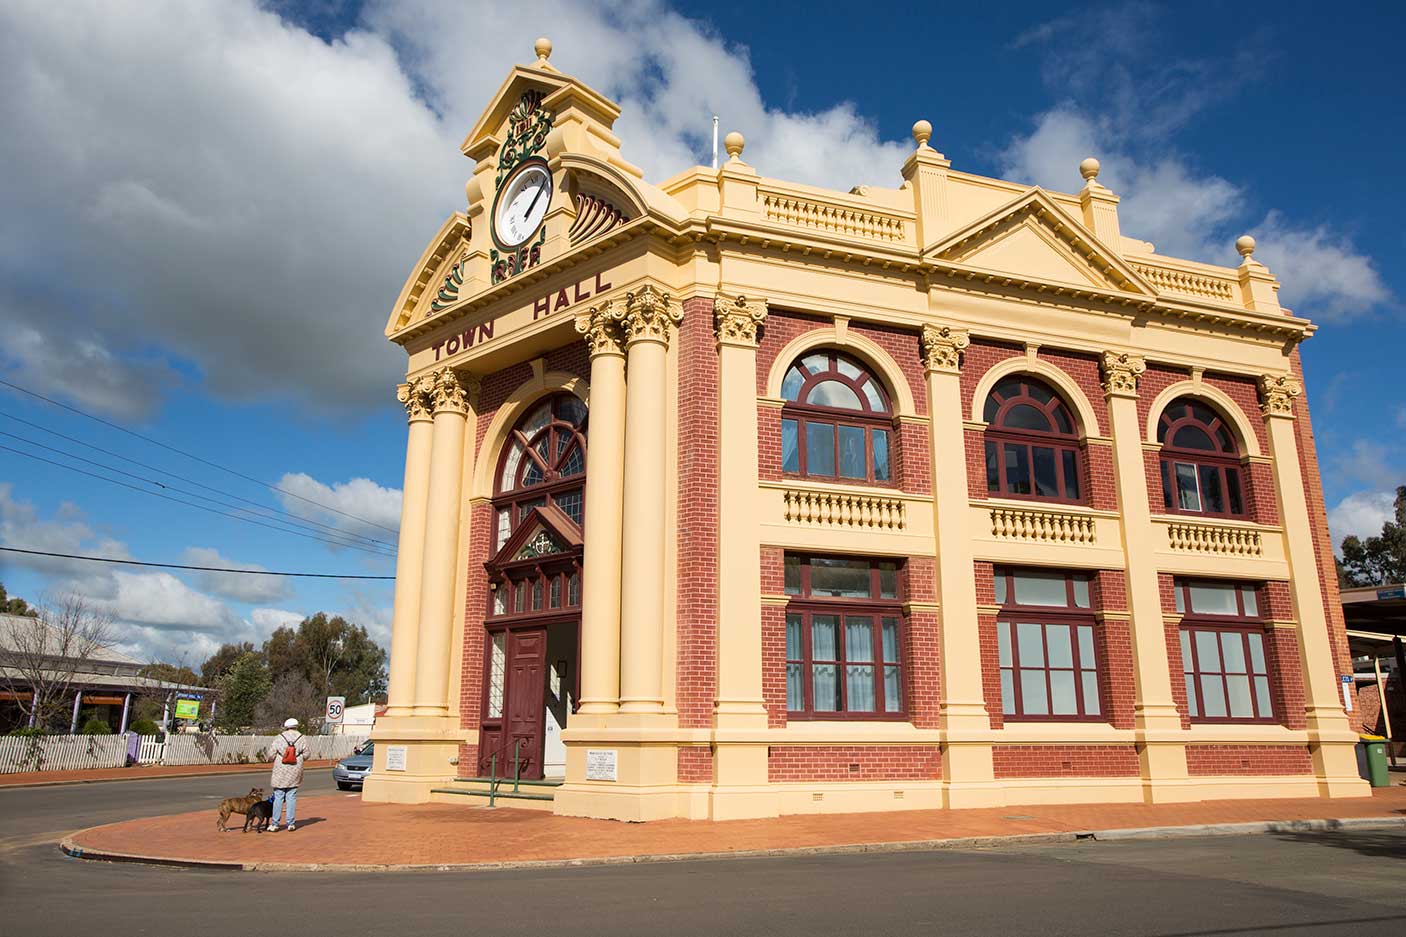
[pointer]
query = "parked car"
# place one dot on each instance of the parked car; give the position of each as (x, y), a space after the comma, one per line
(352, 770)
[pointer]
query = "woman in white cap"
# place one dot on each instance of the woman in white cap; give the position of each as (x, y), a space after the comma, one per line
(290, 750)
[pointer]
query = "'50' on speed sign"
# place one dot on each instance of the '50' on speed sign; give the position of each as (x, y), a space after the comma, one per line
(336, 706)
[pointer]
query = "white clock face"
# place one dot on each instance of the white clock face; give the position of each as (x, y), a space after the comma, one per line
(523, 204)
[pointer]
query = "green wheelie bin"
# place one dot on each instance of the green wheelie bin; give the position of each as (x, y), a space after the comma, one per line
(1375, 751)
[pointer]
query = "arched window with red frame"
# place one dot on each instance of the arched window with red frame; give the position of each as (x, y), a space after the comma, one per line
(543, 463)
(1032, 443)
(1201, 471)
(837, 422)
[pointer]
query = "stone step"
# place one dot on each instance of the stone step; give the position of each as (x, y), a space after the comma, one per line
(524, 798)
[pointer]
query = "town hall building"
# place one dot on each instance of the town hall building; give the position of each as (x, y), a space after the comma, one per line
(731, 497)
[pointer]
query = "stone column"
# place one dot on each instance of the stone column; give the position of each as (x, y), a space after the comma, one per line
(410, 555)
(1331, 738)
(605, 485)
(967, 773)
(646, 317)
(1161, 745)
(450, 405)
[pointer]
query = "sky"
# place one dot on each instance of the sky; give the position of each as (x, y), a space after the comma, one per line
(211, 205)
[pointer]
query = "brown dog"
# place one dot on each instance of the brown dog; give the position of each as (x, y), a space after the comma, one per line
(240, 805)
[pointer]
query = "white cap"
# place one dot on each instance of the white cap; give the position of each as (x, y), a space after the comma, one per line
(290, 723)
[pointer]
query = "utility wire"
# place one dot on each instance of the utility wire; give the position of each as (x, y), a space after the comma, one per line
(190, 481)
(157, 494)
(190, 455)
(211, 569)
(350, 539)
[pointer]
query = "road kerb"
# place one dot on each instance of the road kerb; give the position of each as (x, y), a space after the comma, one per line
(249, 769)
(71, 848)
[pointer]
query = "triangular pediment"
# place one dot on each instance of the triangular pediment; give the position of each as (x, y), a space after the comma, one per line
(545, 533)
(1032, 239)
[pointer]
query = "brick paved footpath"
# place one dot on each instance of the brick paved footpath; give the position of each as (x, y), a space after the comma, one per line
(339, 829)
(134, 773)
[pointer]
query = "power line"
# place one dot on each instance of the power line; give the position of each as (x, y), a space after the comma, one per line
(157, 494)
(211, 569)
(190, 481)
(191, 455)
(345, 537)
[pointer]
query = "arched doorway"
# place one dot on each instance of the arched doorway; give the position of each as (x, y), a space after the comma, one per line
(531, 672)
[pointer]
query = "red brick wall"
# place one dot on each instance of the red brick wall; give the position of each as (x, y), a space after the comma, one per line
(1281, 649)
(773, 638)
(1113, 639)
(1065, 761)
(695, 765)
(990, 650)
(697, 604)
(922, 662)
(1172, 629)
(1248, 759)
(854, 763)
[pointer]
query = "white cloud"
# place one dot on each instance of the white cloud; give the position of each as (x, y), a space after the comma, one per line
(269, 620)
(1369, 462)
(1326, 277)
(1361, 514)
(359, 506)
(234, 585)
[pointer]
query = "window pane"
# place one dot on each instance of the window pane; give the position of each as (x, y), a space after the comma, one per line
(793, 636)
(505, 528)
(1166, 488)
(1247, 596)
(1188, 499)
(500, 600)
(1213, 599)
(834, 394)
(1003, 642)
(1232, 652)
(1257, 653)
(574, 464)
(571, 409)
(1177, 598)
(795, 687)
(1046, 481)
(871, 394)
(1062, 421)
(988, 412)
(881, 454)
(891, 641)
(1207, 652)
(1064, 701)
(519, 596)
(1086, 647)
(1007, 693)
(820, 449)
(791, 385)
(815, 363)
(1232, 484)
(1000, 584)
(537, 595)
(1017, 469)
(1060, 648)
(1091, 706)
(1239, 692)
(1262, 697)
(852, 452)
(1186, 651)
(1213, 697)
(824, 630)
(554, 598)
(510, 467)
(1191, 707)
(1193, 437)
(1081, 592)
(790, 447)
(1032, 693)
(859, 685)
(1211, 489)
(1032, 588)
(570, 504)
(573, 589)
(1024, 416)
(792, 569)
(1038, 391)
(893, 690)
(845, 579)
(826, 688)
(888, 580)
(1071, 473)
(496, 668)
(993, 471)
(847, 368)
(859, 639)
(1032, 648)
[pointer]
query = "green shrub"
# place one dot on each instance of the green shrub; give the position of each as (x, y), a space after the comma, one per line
(30, 732)
(144, 727)
(96, 726)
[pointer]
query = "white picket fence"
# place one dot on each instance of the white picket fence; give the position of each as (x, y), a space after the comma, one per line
(74, 752)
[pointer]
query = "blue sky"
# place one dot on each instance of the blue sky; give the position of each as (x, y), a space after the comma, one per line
(212, 205)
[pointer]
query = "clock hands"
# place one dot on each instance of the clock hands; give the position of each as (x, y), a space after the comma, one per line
(538, 196)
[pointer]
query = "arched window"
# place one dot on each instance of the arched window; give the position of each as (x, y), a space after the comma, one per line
(1032, 448)
(837, 422)
(1200, 461)
(543, 463)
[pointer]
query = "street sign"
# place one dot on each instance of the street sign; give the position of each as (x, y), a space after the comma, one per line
(336, 708)
(1348, 686)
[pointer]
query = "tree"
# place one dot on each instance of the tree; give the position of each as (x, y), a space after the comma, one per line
(1379, 560)
(292, 695)
(242, 688)
(43, 654)
(336, 657)
(15, 605)
(218, 663)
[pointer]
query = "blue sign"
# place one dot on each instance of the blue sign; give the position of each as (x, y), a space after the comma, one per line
(1397, 592)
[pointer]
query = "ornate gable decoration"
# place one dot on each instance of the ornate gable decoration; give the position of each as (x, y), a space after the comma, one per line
(540, 544)
(1033, 240)
(544, 534)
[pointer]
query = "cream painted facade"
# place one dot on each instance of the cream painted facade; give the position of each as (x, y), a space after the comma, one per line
(664, 294)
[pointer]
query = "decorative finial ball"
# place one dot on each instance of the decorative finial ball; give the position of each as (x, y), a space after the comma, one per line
(543, 48)
(734, 142)
(922, 131)
(1245, 245)
(1089, 169)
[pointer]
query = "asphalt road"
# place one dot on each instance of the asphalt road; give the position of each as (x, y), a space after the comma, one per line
(1301, 884)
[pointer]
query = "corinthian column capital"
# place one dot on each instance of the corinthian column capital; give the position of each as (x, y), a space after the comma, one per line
(602, 329)
(737, 319)
(450, 393)
(1121, 372)
(646, 314)
(415, 397)
(1277, 393)
(942, 347)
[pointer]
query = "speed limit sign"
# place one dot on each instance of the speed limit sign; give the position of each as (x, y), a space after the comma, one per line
(336, 706)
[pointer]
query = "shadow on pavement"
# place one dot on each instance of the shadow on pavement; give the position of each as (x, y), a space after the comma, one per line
(1387, 844)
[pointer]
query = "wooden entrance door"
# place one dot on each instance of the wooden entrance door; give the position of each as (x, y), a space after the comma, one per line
(523, 710)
